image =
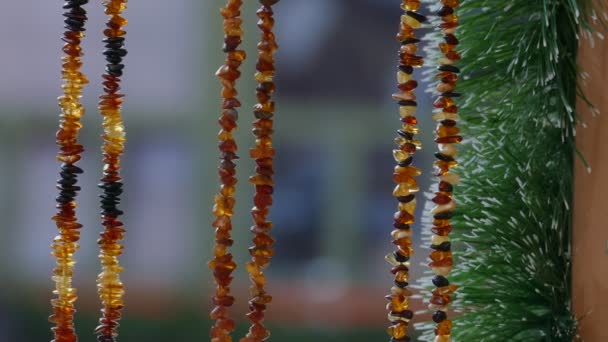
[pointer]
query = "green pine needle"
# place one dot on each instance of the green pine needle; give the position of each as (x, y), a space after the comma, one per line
(514, 224)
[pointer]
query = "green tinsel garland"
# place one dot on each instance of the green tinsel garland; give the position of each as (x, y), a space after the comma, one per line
(514, 224)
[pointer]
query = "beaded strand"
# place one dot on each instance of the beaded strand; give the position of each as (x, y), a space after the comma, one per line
(446, 138)
(404, 176)
(65, 243)
(109, 286)
(223, 264)
(263, 154)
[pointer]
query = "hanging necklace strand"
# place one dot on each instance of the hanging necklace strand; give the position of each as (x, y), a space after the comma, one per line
(66, 243)
(223, 264)
(446, 138)
(109, 286)
(399, 314)
(263, 153)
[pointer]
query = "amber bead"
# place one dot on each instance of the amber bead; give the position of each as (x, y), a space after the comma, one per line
(447, 77)
(442, 231)
(444, 327)
(441, 255)
(411, 60)
(441, 198)
(263, 154)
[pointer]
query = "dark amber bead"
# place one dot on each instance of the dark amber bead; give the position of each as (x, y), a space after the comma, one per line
(440, 281)
(439, 316)
(408, 86)
(441, 199)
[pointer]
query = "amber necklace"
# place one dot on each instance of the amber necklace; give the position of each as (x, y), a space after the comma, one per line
(404, 176)
(263, 154)
(446, 138)
(109, 286)
(65, 243)
(222, 264)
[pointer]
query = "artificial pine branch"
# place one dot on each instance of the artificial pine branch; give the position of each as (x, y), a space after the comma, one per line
(513, 227)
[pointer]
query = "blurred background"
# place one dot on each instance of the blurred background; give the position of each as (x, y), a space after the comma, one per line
(333, 205)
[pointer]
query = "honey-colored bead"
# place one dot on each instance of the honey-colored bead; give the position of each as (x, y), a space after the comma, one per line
(398, 303)
(410, 129)
(443, 338)
(445, 166)
(400, 155)
(451, 178)
(398, 330)
(402, 190)
(442, 271)
(411, 5)
(448, 150)
(403, 77)
(444, 328)
(405, 111)
(409, 207)
(445, 116)
(444, 208)
(445, 290)
(438, 240)
(408, 170)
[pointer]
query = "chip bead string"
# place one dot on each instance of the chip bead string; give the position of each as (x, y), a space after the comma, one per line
(404, 174)
(446, 136)
(223, 263)
(65, 244)
(263, 154)
(109, 286)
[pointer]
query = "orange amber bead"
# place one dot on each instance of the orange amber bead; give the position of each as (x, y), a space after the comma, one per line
(444, 328)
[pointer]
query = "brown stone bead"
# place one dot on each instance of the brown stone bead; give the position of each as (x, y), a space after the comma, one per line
(448, 140)
(442, 231)
(451, 3)
(445, 187)
(453, 55)
(446, 262)
(411, 60)
(408, 86)
(447, 77)
(404, 217)
(441, 198)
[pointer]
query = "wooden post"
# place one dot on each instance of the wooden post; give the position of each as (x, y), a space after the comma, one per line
(590, 246)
